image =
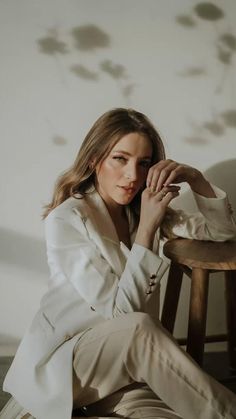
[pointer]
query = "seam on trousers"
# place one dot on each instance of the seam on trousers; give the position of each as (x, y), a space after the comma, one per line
(187, 381)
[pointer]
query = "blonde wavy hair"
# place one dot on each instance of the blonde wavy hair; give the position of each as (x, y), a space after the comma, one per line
(101, 138)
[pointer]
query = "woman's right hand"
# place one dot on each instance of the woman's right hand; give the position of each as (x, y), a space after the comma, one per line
(153, 208)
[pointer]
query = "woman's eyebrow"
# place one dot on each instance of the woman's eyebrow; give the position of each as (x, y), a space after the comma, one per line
(129, 154)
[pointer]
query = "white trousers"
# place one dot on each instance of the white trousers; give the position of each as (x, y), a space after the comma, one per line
(110, 358)
(129, 367)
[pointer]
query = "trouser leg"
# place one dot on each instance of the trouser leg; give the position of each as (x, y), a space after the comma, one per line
(132, 349)
(136, 401)
(13, 410)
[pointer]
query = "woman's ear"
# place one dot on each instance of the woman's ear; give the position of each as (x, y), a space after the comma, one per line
(92, 164)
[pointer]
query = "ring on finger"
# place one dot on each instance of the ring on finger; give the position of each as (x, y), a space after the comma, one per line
(152, 189)
(163, 193)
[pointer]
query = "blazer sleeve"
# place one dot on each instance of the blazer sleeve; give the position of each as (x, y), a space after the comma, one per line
(74, 257)
(214, 221)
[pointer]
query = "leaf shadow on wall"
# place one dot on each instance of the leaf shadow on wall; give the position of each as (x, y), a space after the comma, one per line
(87, 39)
(224, 49)
(90, 37)
(59, 140)
(216, 127)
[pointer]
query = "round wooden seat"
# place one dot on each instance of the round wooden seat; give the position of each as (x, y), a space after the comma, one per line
(198, 259)
(202, 254)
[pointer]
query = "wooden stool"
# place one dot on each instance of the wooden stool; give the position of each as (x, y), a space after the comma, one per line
(198, 259)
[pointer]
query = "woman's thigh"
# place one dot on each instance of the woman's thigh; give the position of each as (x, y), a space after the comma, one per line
(102, 383)
(99, 359)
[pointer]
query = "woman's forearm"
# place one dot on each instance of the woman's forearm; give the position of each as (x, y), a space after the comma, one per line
(201, 186)
(144, 238)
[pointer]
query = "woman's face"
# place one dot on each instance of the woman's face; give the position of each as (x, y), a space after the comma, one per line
(123, 172)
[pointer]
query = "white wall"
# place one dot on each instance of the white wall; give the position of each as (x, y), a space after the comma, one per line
(63, 63)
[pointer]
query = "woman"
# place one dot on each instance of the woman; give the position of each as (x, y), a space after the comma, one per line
(96, 342)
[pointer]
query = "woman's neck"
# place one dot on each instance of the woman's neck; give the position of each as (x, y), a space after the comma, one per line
(117, 213)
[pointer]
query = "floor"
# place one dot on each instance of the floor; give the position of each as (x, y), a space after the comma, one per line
(5, 362)
(215, 363)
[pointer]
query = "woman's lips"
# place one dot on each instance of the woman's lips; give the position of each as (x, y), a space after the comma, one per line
(127, 189)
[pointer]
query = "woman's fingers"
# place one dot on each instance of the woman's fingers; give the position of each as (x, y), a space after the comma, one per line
(169, 196)
(154, 173)
(166, 172)
(175, 175)
(159, 173)
(164, 175)
(171, 189)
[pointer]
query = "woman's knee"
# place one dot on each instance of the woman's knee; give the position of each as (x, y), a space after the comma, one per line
(141, 320)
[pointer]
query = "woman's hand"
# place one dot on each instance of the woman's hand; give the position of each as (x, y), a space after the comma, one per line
(153, 208)
(166, 172)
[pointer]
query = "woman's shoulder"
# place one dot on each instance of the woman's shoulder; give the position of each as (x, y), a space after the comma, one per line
(73, 213)
(65, 221)
(72, 207)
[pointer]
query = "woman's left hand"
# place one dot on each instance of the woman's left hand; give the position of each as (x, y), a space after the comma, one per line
(167, 172)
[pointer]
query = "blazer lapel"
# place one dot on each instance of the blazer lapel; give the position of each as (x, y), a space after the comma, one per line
(101, 230)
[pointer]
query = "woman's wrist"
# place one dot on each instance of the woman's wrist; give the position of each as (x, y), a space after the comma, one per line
(144, 238)
(201, 186)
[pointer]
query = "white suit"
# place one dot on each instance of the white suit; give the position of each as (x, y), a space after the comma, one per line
(94, 277)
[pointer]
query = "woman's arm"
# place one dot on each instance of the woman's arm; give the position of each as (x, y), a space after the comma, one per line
(214, 221)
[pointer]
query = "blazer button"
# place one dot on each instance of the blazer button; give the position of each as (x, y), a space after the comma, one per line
(149, 291)
(152, 276)
(151, 283)
(92, 308)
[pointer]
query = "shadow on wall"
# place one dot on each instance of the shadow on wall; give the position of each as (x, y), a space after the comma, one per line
(224, 50)
(88, 39)
(71, 48)
(23, 251)
(8, 340)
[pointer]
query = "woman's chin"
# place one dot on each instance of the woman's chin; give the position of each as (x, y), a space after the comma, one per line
(124, 201)
(124, 197)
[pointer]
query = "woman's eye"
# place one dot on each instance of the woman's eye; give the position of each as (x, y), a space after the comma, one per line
(120, 158)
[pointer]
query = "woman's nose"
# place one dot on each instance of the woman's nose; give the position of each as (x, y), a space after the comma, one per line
(131, 173)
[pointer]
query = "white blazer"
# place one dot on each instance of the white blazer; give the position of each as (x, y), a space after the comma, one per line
(94, 277)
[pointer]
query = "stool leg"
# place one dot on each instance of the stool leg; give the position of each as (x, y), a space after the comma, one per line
(197, 314)
(171, 299)
(230, 287)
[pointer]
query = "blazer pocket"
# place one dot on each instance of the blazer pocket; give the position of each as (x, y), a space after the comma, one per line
(58, 302)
